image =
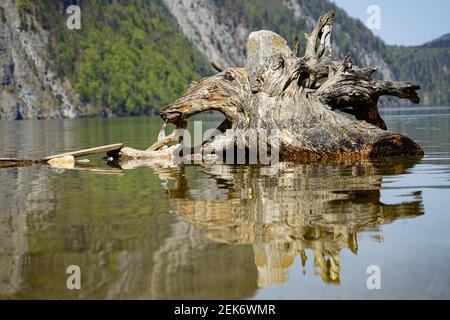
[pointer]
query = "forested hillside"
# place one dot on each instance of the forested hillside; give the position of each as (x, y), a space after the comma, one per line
(128, 57)
(441, 42)
(428, 66)
(133, 57)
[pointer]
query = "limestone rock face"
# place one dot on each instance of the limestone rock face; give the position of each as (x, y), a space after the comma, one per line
(224, 41)
(28, 88)
(198, 20)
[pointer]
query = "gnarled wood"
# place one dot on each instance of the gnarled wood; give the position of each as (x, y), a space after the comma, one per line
(216, 67)
(297, 98)
(17, 162)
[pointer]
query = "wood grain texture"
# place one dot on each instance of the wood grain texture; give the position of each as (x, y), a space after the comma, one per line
(301, 99)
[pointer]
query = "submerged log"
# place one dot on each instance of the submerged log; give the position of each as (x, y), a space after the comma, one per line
(303, 99)
(86, 152)
(15, 162)
(66, 159)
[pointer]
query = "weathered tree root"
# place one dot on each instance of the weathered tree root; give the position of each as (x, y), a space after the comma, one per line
(298, 98)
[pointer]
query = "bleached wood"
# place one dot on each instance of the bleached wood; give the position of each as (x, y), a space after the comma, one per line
(86, 152)
(299, 98)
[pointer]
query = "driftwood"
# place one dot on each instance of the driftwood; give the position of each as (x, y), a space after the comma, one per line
(15, 162)
(304, 99)
(319, 108)
(60, 159)
(86, 152)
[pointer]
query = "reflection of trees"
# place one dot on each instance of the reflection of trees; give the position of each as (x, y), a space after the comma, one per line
(188, 267)
(118, 231)
(244, 228)
(317, 207)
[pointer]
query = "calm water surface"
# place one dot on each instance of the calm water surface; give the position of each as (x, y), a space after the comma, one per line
(217, 231)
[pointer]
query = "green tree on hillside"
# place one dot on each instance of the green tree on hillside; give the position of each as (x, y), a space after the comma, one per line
(129, 56)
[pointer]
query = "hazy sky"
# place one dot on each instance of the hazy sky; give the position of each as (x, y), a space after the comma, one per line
(404, 22)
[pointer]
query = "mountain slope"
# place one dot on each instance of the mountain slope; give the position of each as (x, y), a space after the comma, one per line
(221, 31)
(128, 58)
(427, 65)
(133, 57)
(441, 42)
(28, 89)
(222, 28)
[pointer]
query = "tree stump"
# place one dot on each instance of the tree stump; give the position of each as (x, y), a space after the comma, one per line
(304, 99)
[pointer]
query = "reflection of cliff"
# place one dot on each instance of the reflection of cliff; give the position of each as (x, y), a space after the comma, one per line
(232, 228)
(125, 243)
(320, 208)
(188, 267)
(27, 197)
(24, 207)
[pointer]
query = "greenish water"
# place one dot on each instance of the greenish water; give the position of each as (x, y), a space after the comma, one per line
(218, 231)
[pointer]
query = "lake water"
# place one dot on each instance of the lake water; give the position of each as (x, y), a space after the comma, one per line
(218, 231)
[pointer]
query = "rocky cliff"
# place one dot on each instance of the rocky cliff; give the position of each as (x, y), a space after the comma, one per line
(28, 89)
(135, 57)
(219, 29)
